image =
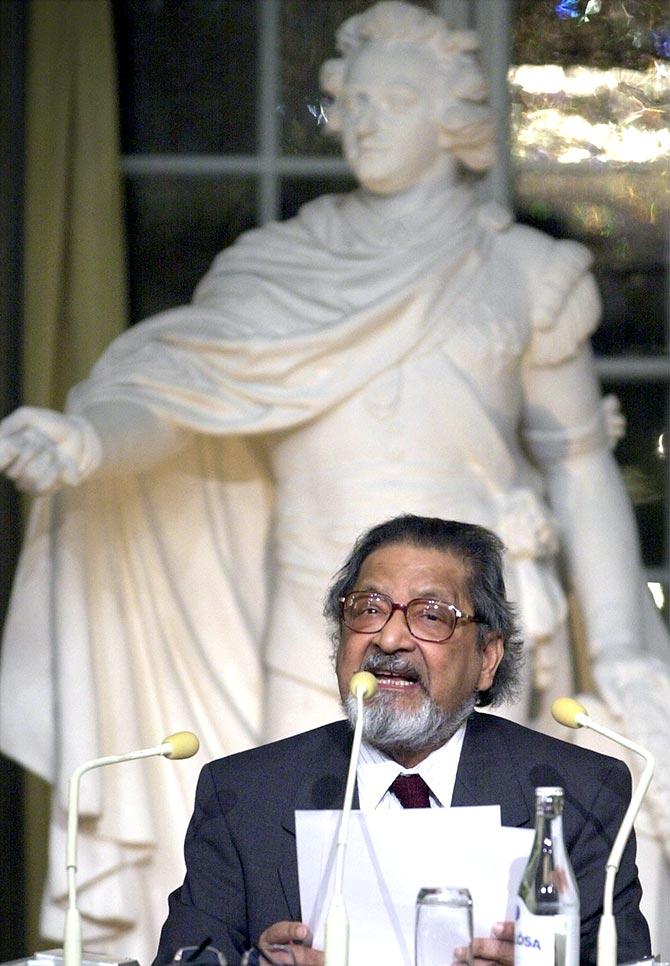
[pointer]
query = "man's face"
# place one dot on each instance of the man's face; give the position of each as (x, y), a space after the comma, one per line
(449, 672)
(390, 129)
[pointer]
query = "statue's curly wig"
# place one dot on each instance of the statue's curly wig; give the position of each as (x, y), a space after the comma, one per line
(466, 119)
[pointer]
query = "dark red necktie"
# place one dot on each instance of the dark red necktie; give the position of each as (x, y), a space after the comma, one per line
(411, 791)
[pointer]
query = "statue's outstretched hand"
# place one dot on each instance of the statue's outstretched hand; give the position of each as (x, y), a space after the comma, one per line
(42, 450)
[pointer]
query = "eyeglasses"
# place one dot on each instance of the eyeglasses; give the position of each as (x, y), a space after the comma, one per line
(281, 954)
(202, 954)
(366, 612)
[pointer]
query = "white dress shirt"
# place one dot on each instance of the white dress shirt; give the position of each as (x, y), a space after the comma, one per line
(376, 772)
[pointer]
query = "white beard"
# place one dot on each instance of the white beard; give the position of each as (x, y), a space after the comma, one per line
(406, 732)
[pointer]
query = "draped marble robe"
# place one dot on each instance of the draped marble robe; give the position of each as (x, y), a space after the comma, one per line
(334, 370)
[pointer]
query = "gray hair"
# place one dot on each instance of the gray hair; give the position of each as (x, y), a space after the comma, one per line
(482, 551)
(467, 121)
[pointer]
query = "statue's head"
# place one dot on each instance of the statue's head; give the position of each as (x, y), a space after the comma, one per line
(408, 97)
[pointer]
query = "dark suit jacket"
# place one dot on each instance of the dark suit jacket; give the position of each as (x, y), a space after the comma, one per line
(240, 845)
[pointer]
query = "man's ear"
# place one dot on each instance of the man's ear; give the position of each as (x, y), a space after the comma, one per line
(492, 653)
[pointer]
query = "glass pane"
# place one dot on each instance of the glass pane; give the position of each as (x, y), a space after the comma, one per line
(308, 38)
(590, 149)
(634, 310)
(602, 33)
(644, 468)
(175, 228)
(295, 192)
(187, 75)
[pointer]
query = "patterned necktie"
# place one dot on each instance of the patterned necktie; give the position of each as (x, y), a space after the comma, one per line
(411, 791)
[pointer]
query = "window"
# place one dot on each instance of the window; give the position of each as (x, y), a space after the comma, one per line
(222, 131)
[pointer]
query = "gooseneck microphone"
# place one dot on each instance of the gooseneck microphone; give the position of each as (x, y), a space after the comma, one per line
(572, 714)
(362, 685)
(182, 744)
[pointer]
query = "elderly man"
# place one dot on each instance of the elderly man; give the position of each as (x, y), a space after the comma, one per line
(421, 604)
(399, 348)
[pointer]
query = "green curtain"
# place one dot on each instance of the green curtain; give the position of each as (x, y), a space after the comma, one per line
(74, 253)
(75, 288)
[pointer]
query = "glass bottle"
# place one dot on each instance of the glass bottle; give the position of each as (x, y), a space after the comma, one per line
(546, 931)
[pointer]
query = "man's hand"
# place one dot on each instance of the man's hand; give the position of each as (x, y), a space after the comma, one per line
(290, 942)
(498, 949)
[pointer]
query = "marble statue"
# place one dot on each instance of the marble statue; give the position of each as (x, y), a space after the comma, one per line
(397, 348)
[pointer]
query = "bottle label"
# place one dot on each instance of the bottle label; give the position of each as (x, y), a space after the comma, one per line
(545, 940)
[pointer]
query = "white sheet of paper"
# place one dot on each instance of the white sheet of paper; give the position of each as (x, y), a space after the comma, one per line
(390, 856)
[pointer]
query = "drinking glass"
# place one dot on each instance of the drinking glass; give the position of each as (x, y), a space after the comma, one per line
(443, 927)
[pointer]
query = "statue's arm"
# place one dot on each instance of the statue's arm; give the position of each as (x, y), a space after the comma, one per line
(567, 435)
(42, 450)
(626, 640)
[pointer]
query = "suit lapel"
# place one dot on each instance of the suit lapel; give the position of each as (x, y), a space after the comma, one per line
(486, 772)
(486, 775)
(322, 787)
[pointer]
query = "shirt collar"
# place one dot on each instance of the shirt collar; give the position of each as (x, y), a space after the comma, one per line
(376, 771)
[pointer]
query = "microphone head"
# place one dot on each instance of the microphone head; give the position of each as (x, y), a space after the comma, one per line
(182, 744)
(365, 682)
(565, 711)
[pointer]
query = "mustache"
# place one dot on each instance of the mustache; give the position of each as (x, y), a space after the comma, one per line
(377, 662)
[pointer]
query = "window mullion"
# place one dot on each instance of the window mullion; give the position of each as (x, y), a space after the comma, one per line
(268, 203)
(493, 22)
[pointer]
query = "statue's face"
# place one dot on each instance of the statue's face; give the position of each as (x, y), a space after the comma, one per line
(390, 103)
